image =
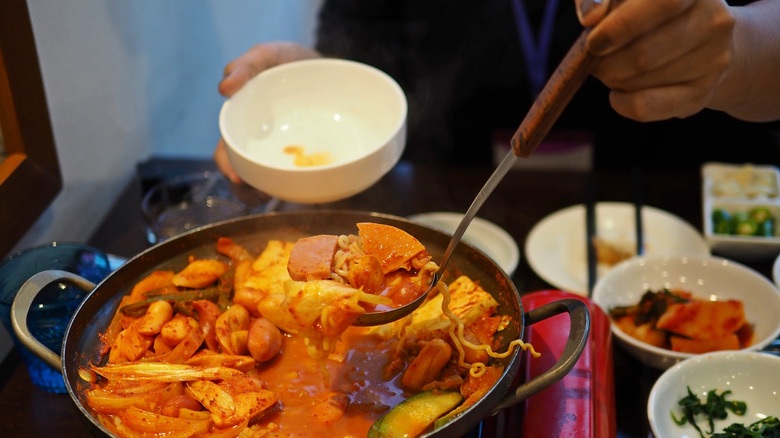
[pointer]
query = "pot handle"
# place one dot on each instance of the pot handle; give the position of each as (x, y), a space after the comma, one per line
(21, 307)
(578, 339)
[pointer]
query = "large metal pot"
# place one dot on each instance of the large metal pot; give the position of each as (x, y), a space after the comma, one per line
(81, 341)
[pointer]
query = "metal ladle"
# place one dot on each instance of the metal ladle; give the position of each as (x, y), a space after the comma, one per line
(556, 94)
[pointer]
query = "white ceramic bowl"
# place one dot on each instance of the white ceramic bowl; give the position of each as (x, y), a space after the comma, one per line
(750, 376)
(347, 118)
(705, 277)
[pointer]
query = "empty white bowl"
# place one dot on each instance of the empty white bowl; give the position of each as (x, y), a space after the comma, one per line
(705, 277)
(316, 130)
(750, 376)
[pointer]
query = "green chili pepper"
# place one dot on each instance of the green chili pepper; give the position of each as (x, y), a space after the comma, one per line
(761, 214)
(721, 221)
(139, 308)
(766, 228)
(765, 220)
(744, 225)
(747, 227)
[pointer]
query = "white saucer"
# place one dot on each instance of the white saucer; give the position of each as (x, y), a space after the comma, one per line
(555, 247)
(776, 271)
(484, 235)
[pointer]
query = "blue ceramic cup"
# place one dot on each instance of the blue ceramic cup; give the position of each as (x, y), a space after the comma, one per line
(52, 309)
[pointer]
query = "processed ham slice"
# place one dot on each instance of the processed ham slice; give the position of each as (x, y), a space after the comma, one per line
(311, 257)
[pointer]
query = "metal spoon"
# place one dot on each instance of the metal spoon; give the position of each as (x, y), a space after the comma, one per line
(556, 94)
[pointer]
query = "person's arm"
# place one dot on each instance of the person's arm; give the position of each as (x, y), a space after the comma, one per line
(750, 90)
(672, 58)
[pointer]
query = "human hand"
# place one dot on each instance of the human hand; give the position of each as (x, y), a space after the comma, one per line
(239, 71)
(661, 59)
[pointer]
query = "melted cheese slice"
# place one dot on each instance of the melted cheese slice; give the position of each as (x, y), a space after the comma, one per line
(469, 302)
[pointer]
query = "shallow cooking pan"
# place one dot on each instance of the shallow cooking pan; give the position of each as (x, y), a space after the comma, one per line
(80, 347)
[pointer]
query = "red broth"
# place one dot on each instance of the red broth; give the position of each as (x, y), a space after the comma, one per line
(300, 384)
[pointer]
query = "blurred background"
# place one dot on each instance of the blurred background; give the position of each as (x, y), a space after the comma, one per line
(129, 80)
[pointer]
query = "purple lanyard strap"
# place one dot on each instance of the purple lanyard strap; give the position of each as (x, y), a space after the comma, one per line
(535, 52)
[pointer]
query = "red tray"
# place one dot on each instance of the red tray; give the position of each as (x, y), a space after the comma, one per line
(582, 404)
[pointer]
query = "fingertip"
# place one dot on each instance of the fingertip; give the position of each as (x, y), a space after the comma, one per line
(222, 88)
(233, 177)
(223, 163)
(231, 174)
(229, 84)
(590, 12)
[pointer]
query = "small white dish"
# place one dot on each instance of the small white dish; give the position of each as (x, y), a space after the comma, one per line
(705, 277)
(776, 272)
(739, 188)
(555, 247)
(750, 376)
(484, 235)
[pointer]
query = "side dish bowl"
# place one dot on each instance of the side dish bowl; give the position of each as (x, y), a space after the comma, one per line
(742, 196)
(315, 130)
(707, 278)
(750, 376)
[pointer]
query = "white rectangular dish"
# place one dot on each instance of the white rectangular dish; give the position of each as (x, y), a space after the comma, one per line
(740, 190)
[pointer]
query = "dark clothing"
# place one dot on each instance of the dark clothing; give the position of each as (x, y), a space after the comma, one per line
(461, 66)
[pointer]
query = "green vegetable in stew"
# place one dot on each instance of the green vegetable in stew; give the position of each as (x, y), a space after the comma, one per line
(177, 298)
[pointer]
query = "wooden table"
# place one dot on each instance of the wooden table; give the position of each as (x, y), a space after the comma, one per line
(518, 203)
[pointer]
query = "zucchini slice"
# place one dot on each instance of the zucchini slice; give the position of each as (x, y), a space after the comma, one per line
(414, 415)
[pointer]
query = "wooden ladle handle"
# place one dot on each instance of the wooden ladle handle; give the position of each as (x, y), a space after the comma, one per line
(556, 94)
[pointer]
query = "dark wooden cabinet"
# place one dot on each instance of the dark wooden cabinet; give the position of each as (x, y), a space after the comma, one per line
(30, 176)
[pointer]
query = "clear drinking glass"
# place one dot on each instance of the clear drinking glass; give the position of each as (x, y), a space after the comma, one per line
(54, 306)
(189, 201)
